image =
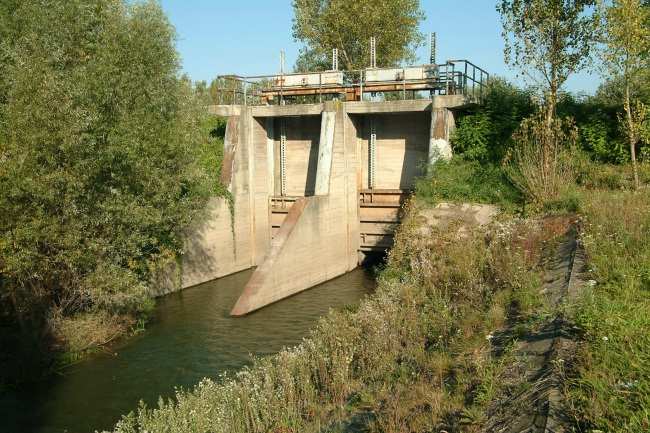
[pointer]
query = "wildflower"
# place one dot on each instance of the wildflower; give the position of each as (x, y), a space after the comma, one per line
(605, 339)
(489, 337)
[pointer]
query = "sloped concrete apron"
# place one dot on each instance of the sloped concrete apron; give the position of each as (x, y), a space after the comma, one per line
(533, 401)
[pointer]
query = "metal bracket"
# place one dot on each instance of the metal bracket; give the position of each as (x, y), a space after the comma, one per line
(283, 157)
(372, 151)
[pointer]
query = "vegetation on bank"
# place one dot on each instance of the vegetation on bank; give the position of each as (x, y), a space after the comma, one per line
(609, 388)
(417, 355)
(412, 356)
(103, 160)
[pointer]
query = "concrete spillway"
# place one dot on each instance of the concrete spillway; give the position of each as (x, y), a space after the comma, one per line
(314, 187)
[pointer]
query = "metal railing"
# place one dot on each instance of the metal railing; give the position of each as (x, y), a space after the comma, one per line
(454, 77)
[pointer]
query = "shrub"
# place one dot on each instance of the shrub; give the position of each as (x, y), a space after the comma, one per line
(460, 180)
(598, 136)
(99, 143)
(540, 164)
(485, 132)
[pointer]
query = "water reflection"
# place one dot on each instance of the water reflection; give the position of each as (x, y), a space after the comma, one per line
(191, 337)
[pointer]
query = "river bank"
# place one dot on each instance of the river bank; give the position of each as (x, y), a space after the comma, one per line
(191, 336)
(420, 354)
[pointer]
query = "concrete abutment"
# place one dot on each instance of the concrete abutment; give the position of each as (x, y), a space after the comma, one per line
(313, 188)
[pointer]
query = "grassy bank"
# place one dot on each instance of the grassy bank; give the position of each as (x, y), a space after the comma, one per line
(611, 386)
(414, 356)
(418, 356)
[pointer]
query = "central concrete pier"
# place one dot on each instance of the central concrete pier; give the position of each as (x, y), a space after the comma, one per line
(314, 188)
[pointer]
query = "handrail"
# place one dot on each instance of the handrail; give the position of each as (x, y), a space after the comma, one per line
(455, 76)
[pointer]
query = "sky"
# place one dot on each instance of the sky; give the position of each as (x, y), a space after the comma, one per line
(245, 37)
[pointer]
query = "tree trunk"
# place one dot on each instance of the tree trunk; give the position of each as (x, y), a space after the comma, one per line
(631, 134)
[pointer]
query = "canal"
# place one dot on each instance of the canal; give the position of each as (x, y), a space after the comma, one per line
(190, 337)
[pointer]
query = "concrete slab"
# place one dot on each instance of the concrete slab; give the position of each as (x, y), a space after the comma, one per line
(225, 110)
(466, 214)
(287, 110)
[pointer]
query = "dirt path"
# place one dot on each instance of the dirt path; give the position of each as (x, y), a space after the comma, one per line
(532, 401)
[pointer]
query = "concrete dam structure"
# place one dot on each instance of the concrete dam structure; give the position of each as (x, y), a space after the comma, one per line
(318, 174)
(314, 187)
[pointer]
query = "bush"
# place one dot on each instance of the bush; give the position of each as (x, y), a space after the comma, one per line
(485, 132)
(599, 137)
(540, 164)
(459, 180)
(99, 143)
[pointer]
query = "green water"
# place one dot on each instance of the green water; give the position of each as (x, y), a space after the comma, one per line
(190, 337)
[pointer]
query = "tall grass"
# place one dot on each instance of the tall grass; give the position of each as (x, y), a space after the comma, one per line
(539, 163)
(611, 391)
(412, 357)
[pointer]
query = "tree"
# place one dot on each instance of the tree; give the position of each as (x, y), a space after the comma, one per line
(627, 46)
(99, 141)
(548, 40)
(323, 25)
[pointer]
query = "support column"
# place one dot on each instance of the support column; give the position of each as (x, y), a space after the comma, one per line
(325, 153)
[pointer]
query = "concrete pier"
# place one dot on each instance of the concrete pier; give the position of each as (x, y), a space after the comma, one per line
(314, 187)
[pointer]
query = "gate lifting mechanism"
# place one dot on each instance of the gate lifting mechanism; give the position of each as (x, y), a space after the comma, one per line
(453, 77)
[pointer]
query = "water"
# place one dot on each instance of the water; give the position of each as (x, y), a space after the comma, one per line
(190, 337)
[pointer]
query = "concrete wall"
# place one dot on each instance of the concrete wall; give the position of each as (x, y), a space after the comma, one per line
(319, 238)
(402, 148)
(302, 134)
(327, 155)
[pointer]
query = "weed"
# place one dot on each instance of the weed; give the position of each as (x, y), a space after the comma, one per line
(611, 387)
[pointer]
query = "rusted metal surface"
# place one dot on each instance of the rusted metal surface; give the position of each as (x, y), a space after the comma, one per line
(450, 78)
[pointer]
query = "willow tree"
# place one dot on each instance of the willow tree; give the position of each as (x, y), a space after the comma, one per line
(323, 25)
(548, 40)
(626, 51)
(99, 141)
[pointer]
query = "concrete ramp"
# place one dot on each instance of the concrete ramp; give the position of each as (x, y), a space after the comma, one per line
(260, 290)
(305, 252)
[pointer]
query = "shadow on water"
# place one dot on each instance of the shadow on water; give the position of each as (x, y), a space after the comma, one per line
(190, 337)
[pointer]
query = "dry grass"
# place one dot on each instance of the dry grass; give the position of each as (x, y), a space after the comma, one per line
(539, 163)
(85, 332)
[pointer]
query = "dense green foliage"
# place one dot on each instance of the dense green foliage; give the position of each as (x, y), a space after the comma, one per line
(485, 132)
(99, 171)
(323, 25)
(460, 180)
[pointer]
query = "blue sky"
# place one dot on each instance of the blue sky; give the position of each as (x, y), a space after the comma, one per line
(245, 36)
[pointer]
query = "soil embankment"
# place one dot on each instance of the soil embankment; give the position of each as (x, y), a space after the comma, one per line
(531, 399)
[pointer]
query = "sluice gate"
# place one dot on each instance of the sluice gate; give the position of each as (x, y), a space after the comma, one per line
(318, 175)
(314, 189)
